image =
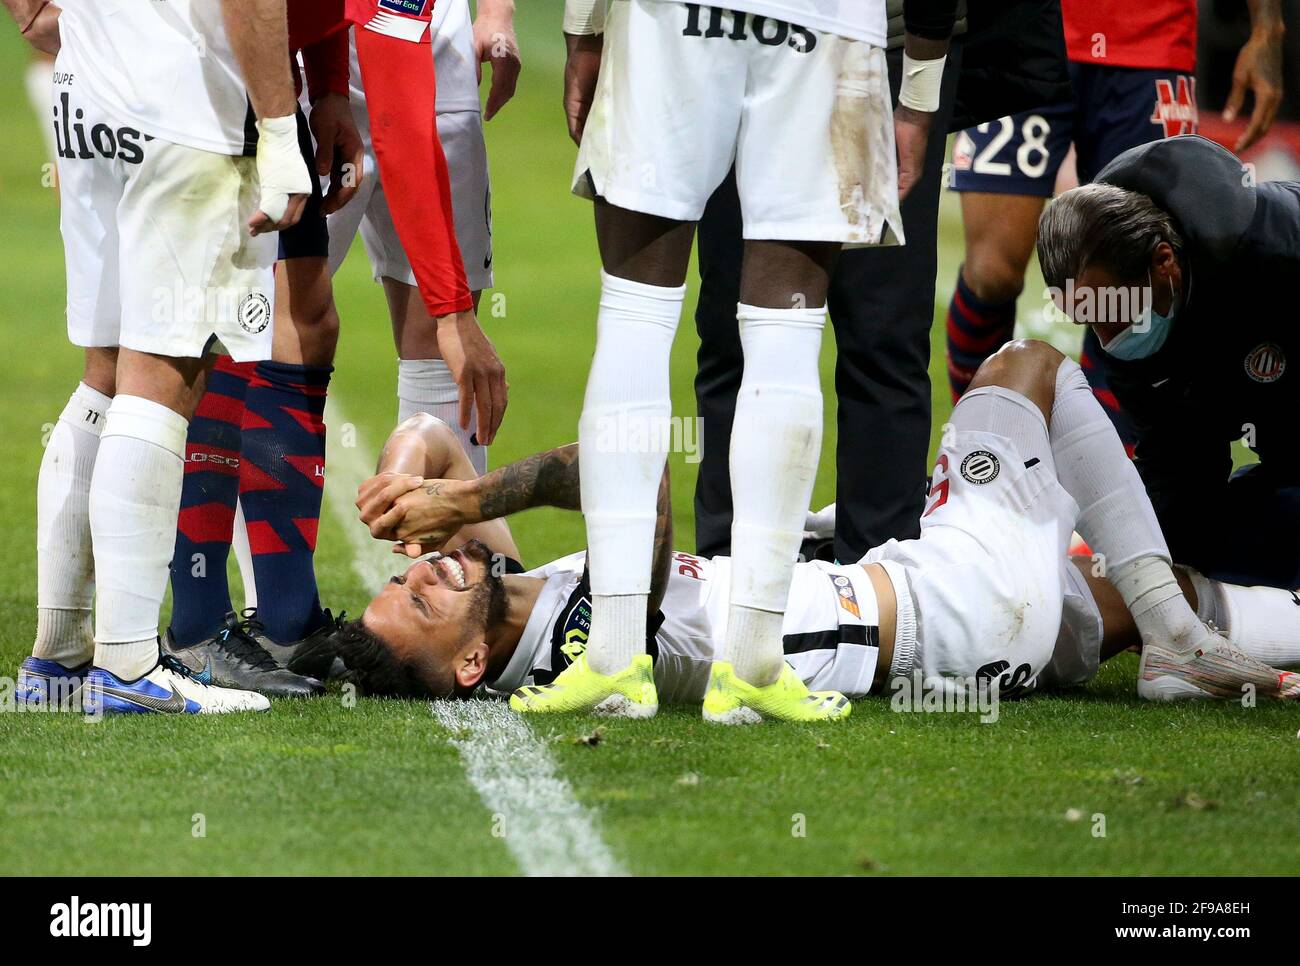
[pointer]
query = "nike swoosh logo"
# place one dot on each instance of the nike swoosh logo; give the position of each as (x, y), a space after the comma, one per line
(203, 673)
(172, 704)
(1157, 385)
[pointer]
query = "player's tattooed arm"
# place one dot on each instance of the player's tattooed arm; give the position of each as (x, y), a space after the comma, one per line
(552, 479)
(419, 496)
(546, 479)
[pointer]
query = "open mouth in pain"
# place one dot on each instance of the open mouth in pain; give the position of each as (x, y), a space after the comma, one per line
(450, 569)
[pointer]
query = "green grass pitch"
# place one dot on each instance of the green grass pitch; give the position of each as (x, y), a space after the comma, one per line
(320, 787)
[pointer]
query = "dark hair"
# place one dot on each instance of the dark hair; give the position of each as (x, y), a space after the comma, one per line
(373, 666)
(1099, 224)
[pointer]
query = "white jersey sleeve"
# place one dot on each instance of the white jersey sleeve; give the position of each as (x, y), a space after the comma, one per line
(166, 68)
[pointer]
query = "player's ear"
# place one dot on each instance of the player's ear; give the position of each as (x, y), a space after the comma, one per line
(472, 665)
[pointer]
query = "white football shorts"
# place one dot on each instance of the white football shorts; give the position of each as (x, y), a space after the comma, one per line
(988, 575)
(1077, 654)
(156, 241)
(805, 116)
(461, 134)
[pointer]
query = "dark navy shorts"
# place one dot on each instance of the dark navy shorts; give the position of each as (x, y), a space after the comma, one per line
(309, 238)
(1113, 109)
(1257, 503)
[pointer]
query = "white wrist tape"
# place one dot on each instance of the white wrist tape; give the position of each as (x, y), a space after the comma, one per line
(281, 170)
(922, 80)
(583, 18)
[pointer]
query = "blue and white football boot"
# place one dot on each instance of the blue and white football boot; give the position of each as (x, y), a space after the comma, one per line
(170, 688)
(42, 682)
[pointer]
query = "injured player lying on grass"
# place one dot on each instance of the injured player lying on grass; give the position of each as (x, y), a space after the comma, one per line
(987, 596)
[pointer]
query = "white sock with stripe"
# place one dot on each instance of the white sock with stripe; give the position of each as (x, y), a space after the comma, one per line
(65, 565)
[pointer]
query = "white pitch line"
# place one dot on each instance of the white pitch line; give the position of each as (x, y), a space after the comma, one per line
(546, 829)
(347, 467)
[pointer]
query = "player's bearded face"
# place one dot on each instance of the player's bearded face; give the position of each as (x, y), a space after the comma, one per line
(440, 606)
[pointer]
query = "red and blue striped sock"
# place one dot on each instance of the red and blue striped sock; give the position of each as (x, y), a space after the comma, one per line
(200, 592)
(281, 479)
(976, 330)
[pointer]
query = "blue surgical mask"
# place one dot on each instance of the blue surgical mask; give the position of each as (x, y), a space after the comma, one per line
(1144, 336)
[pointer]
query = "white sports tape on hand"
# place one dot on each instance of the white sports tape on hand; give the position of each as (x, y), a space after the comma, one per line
(583, 18)
(281, 170)
(921, 82)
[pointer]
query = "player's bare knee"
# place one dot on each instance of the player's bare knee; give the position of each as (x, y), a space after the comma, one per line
(100, 372)
(992, 276)
(318, 329)
(423, 424)
(1026, 366)
(786, 275)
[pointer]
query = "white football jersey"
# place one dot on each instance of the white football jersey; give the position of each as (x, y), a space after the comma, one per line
(165, 67)
(856, 19)
(831, 627)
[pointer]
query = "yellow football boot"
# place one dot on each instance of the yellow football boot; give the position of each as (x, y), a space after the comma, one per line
(730, 700)
(628, 694)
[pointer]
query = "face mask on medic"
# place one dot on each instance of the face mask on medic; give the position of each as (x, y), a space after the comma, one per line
(1145, 334)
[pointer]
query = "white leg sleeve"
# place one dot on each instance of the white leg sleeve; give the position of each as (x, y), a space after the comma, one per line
(775, 445)
(135, 497)
(623, 435)
(1115, 514)
(426, 386)
(65, 565)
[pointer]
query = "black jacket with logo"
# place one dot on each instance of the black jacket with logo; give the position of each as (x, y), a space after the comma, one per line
(1230, 367)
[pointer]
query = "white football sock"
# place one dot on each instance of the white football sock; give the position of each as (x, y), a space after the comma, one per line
(244, 556)
(65, 565)
(1263, 622)
(426, 386)
(1115, 515)
(135, 497)
(776, 442)
(623, 439)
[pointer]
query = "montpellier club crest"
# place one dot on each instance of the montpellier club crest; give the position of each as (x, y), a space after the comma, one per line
(1265, 363)
(254, 313)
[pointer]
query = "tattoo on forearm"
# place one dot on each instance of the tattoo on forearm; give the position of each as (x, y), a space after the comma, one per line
(547, 479)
